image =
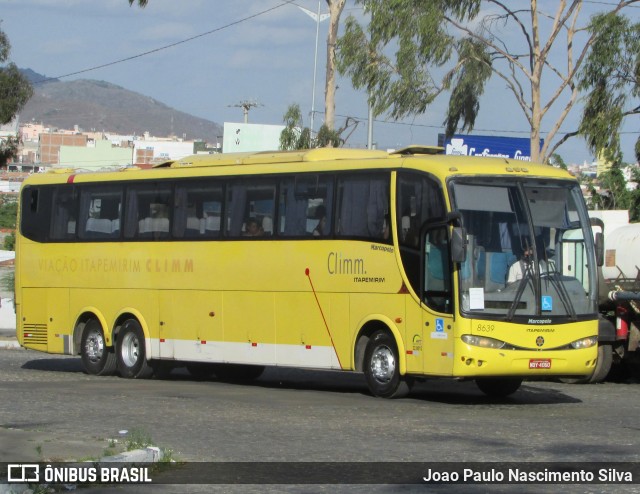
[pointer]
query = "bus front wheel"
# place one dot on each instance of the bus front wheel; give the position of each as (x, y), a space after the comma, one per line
(382, 367)
(97, 358)
(132, 359)
(498, 387)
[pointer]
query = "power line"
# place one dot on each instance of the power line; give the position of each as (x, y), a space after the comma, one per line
(171, 45)
(440, 127)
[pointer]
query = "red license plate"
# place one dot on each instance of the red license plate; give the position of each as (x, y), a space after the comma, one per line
(540, 363)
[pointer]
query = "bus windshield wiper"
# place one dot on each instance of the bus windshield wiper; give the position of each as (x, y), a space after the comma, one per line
(527, 277)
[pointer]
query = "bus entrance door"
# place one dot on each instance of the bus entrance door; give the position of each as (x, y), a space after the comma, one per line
(438, 343)
(437, 298)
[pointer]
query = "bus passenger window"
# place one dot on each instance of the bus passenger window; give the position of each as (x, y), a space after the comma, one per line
(100, 210)
(198, 210)
(363, 202)
(64, 213)
(250, 201)
(148, 211)
(306, 206)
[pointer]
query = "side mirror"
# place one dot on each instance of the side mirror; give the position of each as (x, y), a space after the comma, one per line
(597, 222)
(599, 238)
(458, 244)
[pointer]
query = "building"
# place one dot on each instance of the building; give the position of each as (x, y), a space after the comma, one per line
(50, 143)
(96, 156)
(243, 137)
(150, 151)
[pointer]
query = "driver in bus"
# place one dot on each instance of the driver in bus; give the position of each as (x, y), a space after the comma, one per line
(519, 268)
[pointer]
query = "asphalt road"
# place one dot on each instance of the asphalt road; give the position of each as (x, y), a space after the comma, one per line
(50, 410)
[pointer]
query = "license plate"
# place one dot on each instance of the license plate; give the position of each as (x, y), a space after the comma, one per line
(540, 363)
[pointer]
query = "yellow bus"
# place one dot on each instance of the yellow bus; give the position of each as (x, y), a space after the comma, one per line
(399, 265)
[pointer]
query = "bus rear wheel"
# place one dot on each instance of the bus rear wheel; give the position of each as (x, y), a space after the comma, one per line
(382, 367)
(498, 387)
(132, 359)
(98, 359)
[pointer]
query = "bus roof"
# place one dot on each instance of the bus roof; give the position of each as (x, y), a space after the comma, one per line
(427, 158)
(268, 157)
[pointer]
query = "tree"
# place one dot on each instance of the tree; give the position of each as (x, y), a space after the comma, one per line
(8, 214)
(296, 136)
(15, 91)
(610, 76)
(613, 190)
(557, 161)
(457, 46)
(335, 11)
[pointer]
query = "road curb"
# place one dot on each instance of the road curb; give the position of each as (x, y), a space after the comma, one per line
(150, 454)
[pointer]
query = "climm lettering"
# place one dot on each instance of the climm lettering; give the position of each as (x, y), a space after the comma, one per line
(337, 264)
(170, 265)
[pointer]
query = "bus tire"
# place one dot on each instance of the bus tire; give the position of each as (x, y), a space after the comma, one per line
(603, 365)
(132, 360)
(237, 372)
(498, 387)
(98, 359)
(382, 367)
(600, 371)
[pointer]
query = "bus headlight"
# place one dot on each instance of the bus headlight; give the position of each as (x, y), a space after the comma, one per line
(584, 342)
(482, 341)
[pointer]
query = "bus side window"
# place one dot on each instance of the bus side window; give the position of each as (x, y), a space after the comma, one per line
(64, 213)
(198, 208)
(100, 211)
(36, 212)
(250, 202)
(363, 203)
(306, 206)
(148, 211)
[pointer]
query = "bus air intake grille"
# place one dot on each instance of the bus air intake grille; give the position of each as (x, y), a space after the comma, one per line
(35, 334)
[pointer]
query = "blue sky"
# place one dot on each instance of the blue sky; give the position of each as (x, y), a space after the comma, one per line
(268, 58)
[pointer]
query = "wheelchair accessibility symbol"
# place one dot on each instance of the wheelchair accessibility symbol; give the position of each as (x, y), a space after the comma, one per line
(547, 303)
(439, 325)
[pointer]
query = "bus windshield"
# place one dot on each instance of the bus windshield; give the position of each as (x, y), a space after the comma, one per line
(526, 253)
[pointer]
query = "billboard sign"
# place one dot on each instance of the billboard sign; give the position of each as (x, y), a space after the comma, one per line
(516, 148)
(246, 137)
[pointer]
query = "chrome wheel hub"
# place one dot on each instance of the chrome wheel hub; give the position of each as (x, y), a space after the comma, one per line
(383, 364)
(94, 347)
(130, 349)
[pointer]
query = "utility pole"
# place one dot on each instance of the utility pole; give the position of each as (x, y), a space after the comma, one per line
(246, 105)
(318, 18)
